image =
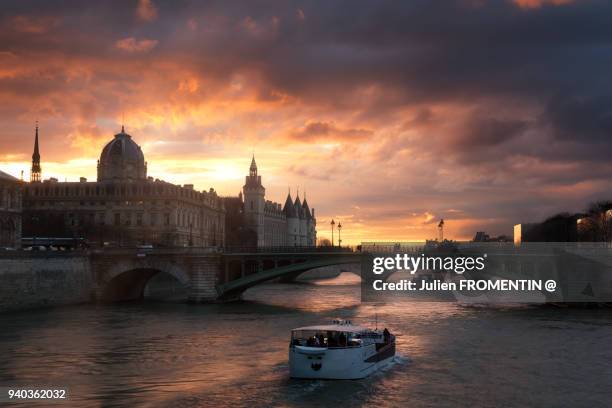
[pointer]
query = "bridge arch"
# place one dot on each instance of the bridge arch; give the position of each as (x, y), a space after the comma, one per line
(234, 288)
(127, 281)
(300, 274)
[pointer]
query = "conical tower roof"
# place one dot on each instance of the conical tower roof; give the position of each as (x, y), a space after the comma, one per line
(298, 206)
(306, 209)
(289, 208)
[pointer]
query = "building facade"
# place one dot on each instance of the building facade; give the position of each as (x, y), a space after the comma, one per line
(124, 206)
(10, 211)
(255, 221)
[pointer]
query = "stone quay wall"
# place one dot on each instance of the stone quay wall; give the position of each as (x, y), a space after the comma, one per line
(41, 279)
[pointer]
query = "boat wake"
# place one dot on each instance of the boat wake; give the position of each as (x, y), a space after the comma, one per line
(401, 359)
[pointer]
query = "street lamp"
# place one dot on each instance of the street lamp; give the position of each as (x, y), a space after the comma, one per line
(332, 223)
(339, 237)
(441, 230)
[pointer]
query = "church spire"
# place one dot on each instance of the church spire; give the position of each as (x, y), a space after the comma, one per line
(36, 171)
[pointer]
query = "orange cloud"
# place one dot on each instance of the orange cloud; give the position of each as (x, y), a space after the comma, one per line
(146, 10)
(328, 131)
(132, 45)
(34, 25)
(530, 4)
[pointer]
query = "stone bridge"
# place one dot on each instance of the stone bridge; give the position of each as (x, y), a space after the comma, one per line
(209, 275)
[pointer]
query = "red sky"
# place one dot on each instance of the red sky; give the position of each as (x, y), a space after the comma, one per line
(388, 115)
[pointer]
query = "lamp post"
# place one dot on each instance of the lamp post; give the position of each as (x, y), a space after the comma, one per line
(339, 237)
(332, 223)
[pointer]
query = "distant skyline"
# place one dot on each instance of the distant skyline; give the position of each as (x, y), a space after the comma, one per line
(390, 115)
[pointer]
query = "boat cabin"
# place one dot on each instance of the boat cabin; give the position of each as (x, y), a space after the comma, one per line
(337, 335)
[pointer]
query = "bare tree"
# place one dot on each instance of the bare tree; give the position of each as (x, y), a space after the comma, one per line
(597, 224)
(324, 242)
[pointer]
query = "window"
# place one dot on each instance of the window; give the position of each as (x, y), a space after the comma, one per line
(251, 204)
(117, 219)
(166, 219)
(139, 219)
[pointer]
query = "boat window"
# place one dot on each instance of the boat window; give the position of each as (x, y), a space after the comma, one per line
(329, 338)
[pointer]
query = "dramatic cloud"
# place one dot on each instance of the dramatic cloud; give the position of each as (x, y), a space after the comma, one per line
(33, 25)
(390, 114)
(132, 45)
(325, 131)
(540, 3)
(146, 11)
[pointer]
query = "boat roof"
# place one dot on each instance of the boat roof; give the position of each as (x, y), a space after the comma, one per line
(336, 327)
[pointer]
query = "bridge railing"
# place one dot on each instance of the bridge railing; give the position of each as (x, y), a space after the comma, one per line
(222, 250)
(285, 249)
(23, 254)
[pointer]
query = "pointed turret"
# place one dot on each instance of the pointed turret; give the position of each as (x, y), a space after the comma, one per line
(289, 208)
(298, 206)
(253, 168)
(306, 209)
(36, 171)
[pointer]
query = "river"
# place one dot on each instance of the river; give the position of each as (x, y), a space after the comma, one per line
(155, 354)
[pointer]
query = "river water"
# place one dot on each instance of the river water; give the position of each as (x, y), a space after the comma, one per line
(178, 355)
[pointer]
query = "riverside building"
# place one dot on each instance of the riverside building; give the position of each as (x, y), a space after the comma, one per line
(124, 206)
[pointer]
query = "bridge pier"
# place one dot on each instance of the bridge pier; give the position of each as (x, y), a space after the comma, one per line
(204, 275)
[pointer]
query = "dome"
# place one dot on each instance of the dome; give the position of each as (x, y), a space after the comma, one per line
(122, 159)
(6, 176)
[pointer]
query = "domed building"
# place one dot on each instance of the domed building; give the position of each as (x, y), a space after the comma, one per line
(124, 206)
(122, 159)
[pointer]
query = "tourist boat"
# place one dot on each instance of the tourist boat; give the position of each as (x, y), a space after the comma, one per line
(339, 350)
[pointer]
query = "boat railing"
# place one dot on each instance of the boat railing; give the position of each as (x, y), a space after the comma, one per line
(332, 347)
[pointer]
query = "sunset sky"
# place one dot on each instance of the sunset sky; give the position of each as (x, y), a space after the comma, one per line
(389, 115)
